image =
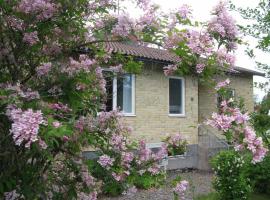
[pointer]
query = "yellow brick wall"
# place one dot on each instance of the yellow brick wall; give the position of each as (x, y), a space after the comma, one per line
(243, 86)
(152, 103)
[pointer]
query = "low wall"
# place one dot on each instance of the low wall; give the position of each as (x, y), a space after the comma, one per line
(187, 161)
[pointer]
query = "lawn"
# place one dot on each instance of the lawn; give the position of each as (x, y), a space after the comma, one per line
(213, 196)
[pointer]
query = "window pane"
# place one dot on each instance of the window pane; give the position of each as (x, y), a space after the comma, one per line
(175, 96)
(124, 93)
(109, 90)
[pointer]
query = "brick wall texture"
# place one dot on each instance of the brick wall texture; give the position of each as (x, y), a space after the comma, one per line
(243, 87)
(152, 122)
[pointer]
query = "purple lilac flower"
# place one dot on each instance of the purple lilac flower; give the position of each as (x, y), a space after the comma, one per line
(44, 9)
(25, 126)
(44, 69)
(181, 189)
(222, 84)
(105, 161)
(31, 38)
(170, 69)
(200, 67)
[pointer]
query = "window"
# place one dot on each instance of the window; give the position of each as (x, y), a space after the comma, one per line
(176, 96)
(230, 93)
(120, 92)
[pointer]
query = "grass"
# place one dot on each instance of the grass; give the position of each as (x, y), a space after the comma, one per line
(213, 196)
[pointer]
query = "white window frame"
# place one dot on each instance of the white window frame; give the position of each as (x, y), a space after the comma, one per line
(132, 114)
(183, 114)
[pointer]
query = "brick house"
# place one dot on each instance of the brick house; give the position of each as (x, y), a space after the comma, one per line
(150, 101)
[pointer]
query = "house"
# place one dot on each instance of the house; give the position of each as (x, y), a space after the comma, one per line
(155, 105)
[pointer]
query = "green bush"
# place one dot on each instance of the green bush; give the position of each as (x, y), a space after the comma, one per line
(231, 182)
(259, 175)
(146, 180)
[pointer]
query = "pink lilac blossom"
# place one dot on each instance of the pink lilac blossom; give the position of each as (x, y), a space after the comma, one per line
(56, 124)
(184, 11)
(154, 170)
(12, 195)
(105, 161)
(223, 23)
(143, 3)
(254, 144)
(162, 153)
(224, 59)
(222, 84)
(60, 107)
(127, 158)
(117, 177)
(124, 25)
(221, 121)
(171, 41)
(181, 189)
(170, 69)
(118, 142)
(44, 69)
(149, 18)
(55, 90)
(81, 86)
(29, 95)
(101, 80)
(145, 153)
(65, 138)
(74, 67)
(31, 38)
(15, 23)
(87, 178)
(199, 43)
(42, 144)
(200, 67)
(234, 120)
(175, 139)
(25, 126)
(85, 196)
(240, 118)
(100, 4)
(52, 48)
(43, 9)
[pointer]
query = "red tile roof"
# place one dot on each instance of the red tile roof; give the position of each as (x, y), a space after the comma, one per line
(157, 54)
(142, 51)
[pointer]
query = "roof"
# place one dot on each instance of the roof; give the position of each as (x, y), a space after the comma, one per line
(158, 54)
(142, 51)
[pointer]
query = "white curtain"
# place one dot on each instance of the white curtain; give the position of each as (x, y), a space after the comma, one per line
(127, 93)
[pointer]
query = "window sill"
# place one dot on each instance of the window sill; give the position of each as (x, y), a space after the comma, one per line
(129, 115)
(177, 115)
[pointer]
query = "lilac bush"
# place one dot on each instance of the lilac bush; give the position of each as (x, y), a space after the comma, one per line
(52, 92)
(176, 144)
(234, 123)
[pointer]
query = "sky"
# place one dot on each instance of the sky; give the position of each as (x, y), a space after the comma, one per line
(201, 12)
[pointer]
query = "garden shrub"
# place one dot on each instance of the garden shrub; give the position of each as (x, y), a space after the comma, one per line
(121, 164)
(230, 180)
(176, 145)
(147, 180)
(180, 188)
(259, 175)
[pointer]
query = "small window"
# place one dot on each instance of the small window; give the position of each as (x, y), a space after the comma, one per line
(120, 92)
(176, 96)
(230, 93)
(124, 93)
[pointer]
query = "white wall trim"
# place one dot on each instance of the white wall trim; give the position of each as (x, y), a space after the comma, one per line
(114, 95)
